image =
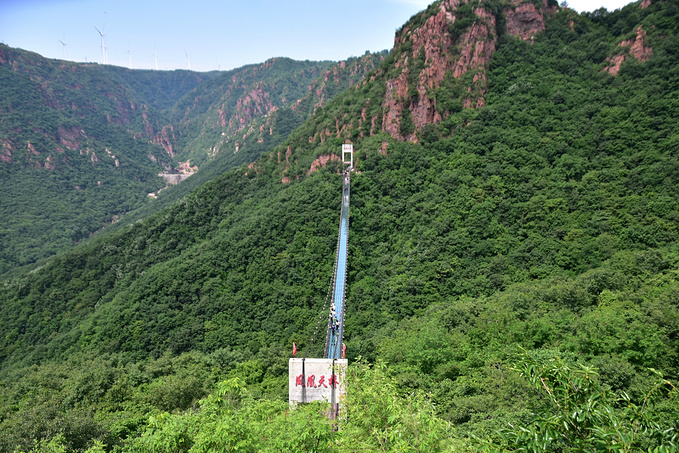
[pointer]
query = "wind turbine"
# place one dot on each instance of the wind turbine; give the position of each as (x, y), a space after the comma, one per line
(155, 55)
(188, 61)
(129, 52)
(103, 45)
(63, 44)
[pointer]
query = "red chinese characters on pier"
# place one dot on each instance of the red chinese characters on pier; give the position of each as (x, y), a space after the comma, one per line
(333, 381)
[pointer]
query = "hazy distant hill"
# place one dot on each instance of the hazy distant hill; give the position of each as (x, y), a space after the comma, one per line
(250, 110)
(74, 153)
(207, 136)
(83, 144)
(515, 196)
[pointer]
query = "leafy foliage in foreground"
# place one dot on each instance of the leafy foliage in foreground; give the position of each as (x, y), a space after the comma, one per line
(377, 417)
(580, 414)
(233, 419)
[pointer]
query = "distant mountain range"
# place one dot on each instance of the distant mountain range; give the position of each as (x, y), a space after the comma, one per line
(83, 144)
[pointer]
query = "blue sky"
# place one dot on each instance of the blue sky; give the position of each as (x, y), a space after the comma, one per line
(215, 34)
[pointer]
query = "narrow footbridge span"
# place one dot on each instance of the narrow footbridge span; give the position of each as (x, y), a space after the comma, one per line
(333, 343)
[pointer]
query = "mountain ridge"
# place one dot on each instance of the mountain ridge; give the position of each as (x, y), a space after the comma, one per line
(97, 134)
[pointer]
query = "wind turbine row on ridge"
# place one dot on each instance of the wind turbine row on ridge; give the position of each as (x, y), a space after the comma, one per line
(104, 52)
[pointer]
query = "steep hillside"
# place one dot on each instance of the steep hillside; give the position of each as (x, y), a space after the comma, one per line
(263, 130)
(240, 112)
(514, 208)
(83, 144)
(74, 154)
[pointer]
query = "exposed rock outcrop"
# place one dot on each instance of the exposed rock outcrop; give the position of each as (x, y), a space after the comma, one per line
(637, 49)
(524, 20)
(148, 129)
(186, 168)
(71, 138)
(6, 152)
(166, 138)
(455, 39)
(255, 103)
(50, 164)
(32, 149)
(436, 42)
(322, 161)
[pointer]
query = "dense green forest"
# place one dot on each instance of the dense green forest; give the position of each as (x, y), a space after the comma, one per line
(513, 274)
(269, 130)
(82, 144)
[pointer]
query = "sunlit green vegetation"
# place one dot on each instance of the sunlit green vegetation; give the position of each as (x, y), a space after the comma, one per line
(513, 279)
(81, 144)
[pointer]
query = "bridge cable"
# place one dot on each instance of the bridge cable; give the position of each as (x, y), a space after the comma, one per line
(328, 297)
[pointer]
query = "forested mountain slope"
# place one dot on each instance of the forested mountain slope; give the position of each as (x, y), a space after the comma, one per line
(65, 143)
(83, 144)
(159, 89)
(514, 208)
(235, 130)
(78, 149)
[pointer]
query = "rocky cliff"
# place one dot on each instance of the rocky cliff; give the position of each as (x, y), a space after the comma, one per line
(257, 104)
(635, 48)
(451, 39)
(437, 66)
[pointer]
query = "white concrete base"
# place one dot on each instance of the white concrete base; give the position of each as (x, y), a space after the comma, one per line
(316, 380)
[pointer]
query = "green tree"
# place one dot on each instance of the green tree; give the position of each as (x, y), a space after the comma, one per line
(576, 413)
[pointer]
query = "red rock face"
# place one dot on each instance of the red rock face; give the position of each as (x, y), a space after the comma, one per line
(165, 138)
(147, 124)
(32, 149)
(6, 152)
(50, 164)
(524, 21)
(614, 64)
(321, 162)
(446, 54)
(255, 103)
(393, 105)
(71, 138)
(443, 54)
(637, 49)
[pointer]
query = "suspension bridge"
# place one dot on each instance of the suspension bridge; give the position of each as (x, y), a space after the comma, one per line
(312, 379)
